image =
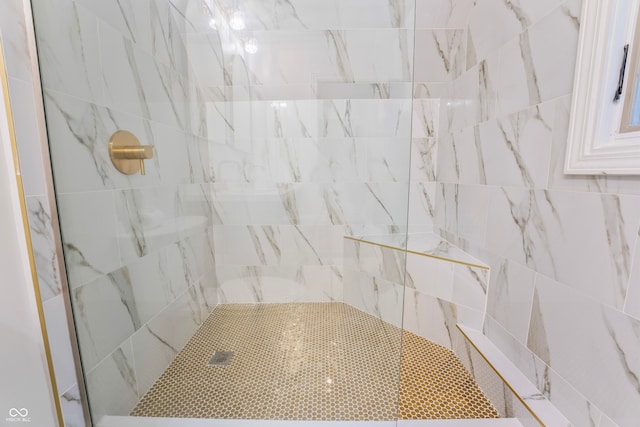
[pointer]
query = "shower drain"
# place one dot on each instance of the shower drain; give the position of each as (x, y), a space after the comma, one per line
(221, 358)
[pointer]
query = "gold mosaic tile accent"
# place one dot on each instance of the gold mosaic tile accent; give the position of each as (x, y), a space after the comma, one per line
(312, 361)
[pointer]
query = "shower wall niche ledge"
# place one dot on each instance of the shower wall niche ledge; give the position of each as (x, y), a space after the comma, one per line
(425, 244)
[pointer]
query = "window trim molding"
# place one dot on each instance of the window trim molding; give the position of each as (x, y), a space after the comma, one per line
(586, 153)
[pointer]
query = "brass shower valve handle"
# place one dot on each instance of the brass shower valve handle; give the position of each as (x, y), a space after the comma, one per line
(127, 154)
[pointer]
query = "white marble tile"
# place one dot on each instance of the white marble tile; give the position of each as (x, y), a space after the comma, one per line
(439, 55)
(14, 40)
(178, 321)
(72, 411)
(485, 35)
(90, 251)
(574, 334)
(112, 385)
(554, 42)
(331, 54)
(464, 210)
(266, 15)
(421, 206)
(580, 239)
(267, 204)
(118, 15)
(28, 139)
(137, 84)
(538, 65)
(430, 276)
(157, 280)
(146, 220)
(511, 296)
(632, 300)
(79, 132)
(158, 32)
(435, 319)
(273, 284)
(365, 118)
(524, 138)
(440, 14)
(44, 248)
(204, 51)
(460, 158)
(424, 159)
(60, 342)
(607, 422)
(470, 286)
(379, 261)
(106, 315)
(578, 410)
(152, 354)
(69, 50)
(374, 295)
(517, 87)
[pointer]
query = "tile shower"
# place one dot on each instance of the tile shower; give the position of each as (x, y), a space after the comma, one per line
(273, 164)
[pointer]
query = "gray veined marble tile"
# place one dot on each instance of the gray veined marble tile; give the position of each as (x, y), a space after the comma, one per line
(464, 211)
(112, 385)
(443, 14)
(516, 149)
(274, 283)
(106, 314)
(574, 334)
(12, 20)
(147, 220)
(72, 410)
(90, 251)
(60, 342)
(152, 354)
(580, 239)
(117, 14)
(440, 55)
(157, 280)
(511, 296)
(44, 247)
(69, 50)
(79, 132)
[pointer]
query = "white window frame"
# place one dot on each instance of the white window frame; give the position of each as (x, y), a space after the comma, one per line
(595, 145)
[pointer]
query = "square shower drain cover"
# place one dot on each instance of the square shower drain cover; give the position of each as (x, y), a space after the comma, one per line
(221, 358)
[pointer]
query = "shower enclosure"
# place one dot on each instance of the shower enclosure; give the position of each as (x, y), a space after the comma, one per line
(281, 134)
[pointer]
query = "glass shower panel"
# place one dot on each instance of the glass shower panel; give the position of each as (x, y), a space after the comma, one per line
(240, 266)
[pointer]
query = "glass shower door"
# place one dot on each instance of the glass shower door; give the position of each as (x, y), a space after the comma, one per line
(281, 135)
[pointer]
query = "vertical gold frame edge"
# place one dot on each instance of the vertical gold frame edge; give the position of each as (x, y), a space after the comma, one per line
(27, 233)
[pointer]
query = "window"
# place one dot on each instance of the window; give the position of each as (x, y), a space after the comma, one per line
(604, 135)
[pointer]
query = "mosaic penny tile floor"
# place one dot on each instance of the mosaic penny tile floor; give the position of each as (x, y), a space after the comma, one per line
(312, 361)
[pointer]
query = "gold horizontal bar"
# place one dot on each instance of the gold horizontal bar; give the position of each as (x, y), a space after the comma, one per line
(483, 267)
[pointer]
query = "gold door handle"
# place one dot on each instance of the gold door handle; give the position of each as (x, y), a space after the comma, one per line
(127, 154)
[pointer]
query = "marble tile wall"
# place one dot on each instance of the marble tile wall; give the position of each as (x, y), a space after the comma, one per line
(139, 250)
(311, 137)
(424, 295)
(563, 294)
